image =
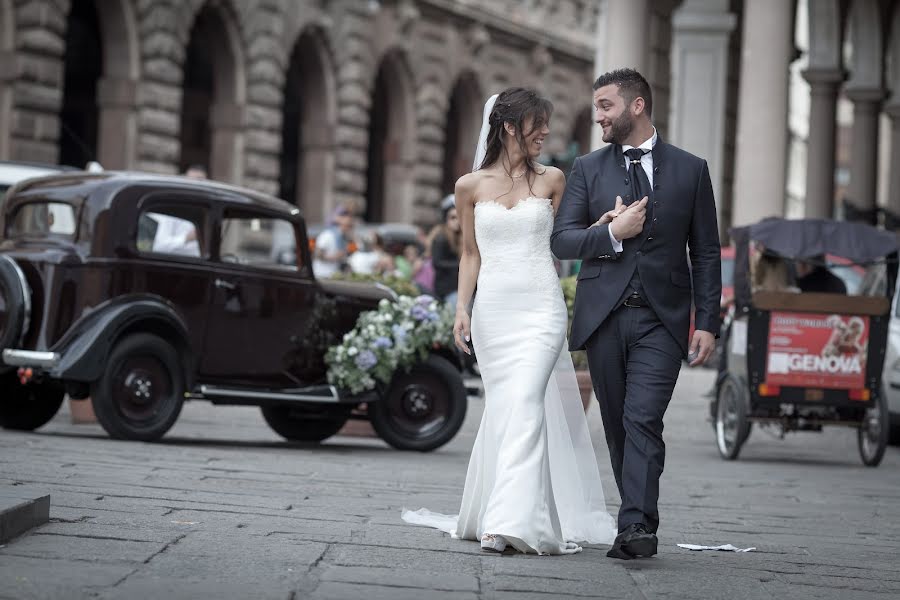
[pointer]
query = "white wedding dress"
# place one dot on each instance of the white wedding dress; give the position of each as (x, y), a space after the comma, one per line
(533, 476)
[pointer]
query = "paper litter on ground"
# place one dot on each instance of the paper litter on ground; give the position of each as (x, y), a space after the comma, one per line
(724, 548)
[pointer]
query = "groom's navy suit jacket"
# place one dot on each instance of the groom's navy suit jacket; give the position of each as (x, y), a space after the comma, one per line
(681, 223)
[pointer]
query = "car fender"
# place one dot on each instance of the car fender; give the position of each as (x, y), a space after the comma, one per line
(84, 349)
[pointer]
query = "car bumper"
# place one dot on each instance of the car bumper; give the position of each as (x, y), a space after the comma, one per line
(30, 358)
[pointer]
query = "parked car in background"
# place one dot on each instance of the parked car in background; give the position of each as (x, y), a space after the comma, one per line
(12, 172)
(142, 291)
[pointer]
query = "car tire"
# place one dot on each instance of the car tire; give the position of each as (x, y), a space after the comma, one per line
(141, 392)
(16, 298)
(27, 407)
(311, 424)
(423, 408)
(894, 433)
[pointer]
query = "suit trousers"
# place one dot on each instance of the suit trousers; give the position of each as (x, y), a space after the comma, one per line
(634, 363)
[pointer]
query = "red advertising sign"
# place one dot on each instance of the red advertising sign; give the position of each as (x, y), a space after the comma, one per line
(817, 350)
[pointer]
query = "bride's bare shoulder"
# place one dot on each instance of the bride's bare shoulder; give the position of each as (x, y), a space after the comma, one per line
(466, 186)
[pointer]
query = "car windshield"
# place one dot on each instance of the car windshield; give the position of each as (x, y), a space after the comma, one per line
(42, 219)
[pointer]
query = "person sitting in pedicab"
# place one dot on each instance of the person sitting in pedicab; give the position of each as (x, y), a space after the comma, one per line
(813, 276)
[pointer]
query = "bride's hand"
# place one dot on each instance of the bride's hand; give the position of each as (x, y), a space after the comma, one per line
(608, 216)
(461, 331)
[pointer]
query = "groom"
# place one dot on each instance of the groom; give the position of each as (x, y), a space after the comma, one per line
(635, 212)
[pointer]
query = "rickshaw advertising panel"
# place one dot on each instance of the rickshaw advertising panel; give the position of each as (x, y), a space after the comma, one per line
(817, 350)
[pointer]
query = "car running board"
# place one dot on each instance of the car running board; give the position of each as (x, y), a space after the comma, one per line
(319, 394)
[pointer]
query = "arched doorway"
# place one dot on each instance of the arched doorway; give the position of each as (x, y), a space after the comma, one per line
(581, 131)
(79, 116)
(97, 117)
(463, 125)
(307, 129)
(212, 105)
(7, 45)
(389, 176)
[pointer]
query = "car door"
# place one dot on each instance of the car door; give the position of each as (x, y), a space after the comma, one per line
(261, 307)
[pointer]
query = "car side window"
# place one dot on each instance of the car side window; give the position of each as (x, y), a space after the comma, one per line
(174, 230)
(258, 241)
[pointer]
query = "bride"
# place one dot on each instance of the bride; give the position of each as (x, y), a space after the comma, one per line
(533, 481)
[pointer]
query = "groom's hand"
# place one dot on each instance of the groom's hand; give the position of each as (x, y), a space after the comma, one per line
(630, 221)
(703, 345)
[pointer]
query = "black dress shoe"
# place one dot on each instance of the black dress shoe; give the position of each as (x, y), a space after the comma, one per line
(634, 542)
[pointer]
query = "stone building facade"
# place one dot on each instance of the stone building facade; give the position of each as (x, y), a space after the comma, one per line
(318, 101)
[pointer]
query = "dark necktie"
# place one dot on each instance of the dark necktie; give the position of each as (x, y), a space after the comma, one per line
(639, 182)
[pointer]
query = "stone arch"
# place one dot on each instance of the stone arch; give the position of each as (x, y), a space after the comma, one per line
(463, 123)
(213, 94)
(309, 122)
(390, 177)
(7, 73)
(101, 67)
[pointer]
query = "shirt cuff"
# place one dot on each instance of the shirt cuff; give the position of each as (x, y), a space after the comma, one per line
(616, 244)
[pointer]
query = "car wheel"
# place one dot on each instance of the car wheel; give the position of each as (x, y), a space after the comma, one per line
(732, 424)
(15, 298)
(894, 433)
(141, 392)
(873, 432)
(313, 423)
(421, 409)
(27, 407)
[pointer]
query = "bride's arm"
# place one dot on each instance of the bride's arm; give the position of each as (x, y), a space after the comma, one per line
(469, 261)
(557, 185)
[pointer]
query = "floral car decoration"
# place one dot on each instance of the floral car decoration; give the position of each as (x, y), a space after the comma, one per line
(395, 336)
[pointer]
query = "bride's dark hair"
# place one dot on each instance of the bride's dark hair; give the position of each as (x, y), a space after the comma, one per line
(515, 105)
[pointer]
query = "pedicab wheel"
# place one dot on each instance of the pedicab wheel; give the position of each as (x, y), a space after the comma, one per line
(873, 432)
(423, 408)
(732, 425)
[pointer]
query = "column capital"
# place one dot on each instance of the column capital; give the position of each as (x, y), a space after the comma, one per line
(892, 109)
(864, 94)
(824, 76)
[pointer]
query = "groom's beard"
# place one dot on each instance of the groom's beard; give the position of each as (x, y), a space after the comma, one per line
(619, 130)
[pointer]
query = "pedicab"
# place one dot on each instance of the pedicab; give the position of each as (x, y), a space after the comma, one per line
(801, 361)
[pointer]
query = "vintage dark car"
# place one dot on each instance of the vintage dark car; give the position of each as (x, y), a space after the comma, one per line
(141, 291)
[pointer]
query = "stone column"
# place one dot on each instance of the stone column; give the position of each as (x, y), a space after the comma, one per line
(701, 30)
(762, 130)
(117, 135)
(227, 151)
(7, 79)
(824, 84)
(864, 148)
(893, 203)
(627, 35)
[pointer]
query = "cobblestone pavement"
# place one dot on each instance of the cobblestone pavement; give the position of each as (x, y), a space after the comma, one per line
(223, 509)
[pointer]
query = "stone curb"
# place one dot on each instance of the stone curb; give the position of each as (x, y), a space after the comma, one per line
(19, 513)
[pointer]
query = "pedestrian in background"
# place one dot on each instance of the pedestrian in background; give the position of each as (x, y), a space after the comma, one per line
(333, 244)
(445, 252)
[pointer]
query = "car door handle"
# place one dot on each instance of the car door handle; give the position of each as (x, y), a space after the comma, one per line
(225, 285)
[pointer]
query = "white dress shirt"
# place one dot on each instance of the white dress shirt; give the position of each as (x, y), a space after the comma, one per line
(647, 164)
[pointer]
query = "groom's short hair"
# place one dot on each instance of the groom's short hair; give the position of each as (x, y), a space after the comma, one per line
(631, 85)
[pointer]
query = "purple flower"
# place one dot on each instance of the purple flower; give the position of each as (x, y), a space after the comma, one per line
(383, 342)
(424, 299)
(419, 313)
(399, 332)
(366, 359)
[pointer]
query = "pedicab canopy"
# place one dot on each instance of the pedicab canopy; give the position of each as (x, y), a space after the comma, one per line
(799, 239)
